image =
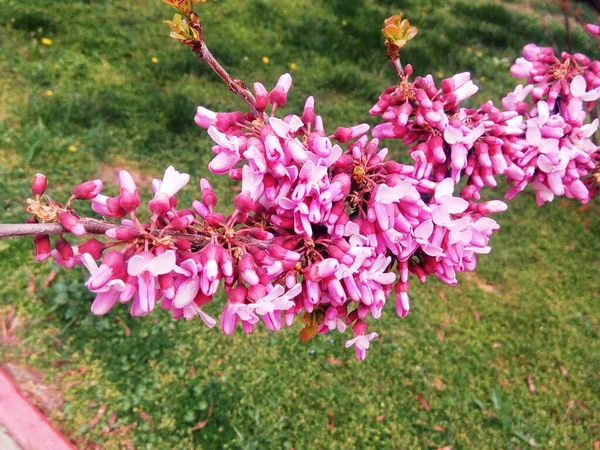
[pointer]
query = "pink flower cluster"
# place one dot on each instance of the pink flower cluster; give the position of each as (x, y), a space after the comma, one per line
(327, 226)
(355, 217)
(546, 143)
(556, 152)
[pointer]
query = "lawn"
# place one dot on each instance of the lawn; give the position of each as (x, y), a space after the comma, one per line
(508, 359)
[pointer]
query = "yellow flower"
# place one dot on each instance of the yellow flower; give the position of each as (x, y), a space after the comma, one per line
(344, 23)
(293, 66)
(482, 79)
(479, 54)
(154, 59)
(266, 59)
(440, 74)
(72, 148)
(48, 93)
(397, 31)
(46, 41)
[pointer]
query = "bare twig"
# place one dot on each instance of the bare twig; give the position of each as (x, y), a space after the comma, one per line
(92, 226)
(237, 86)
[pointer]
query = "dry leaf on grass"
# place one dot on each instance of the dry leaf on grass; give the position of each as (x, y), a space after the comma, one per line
(336, 362)
(127, 330)
(203, 423)
(50, 278)
(530, 384)
(423, 402)
(146, 418)
(31, 285)
(101, 411)
(438, 383)
(330, 423)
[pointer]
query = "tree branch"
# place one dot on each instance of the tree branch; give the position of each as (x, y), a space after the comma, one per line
(92, 226)
(237, 86)
(95, 226)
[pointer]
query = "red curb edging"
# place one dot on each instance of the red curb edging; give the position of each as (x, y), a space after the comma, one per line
(24, 422)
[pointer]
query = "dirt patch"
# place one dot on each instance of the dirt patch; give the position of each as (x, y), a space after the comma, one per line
(9, 160)
(109, 173)
(473, 278)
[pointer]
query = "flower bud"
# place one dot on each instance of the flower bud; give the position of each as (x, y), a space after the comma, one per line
(39, 185)
(261, 96)
(88, 190)
(243, 202)
(278, 95)
(345, 134)
(93, 246)
(122, 233)
(160, 205)
(42, 247)
(65, 251)
(130, 198)
(71, 223)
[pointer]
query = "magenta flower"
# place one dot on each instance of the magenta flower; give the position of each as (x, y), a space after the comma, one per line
(108, 293)
(361, 343)
(146, 267)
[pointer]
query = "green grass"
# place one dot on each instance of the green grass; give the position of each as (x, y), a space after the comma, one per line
(536, 293)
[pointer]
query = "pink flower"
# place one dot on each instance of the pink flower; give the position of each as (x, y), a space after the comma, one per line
(146, 267)
(171, 183)
(446, 205)
(108, 293)
(361, 343)
(579, 90)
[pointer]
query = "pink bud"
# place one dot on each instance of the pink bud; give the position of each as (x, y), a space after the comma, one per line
(42, 247)
(122, 233)
(93, 246)
(181, 223)
(130, 199)
(65, 251)
(359, 327)
(71, 223)
(323, 269)
(402, 300)
(39, 185)
(205, 117)
(345, 134)
(261, 95)
(247, 269)
(88, 190)
(160, 205)
(243, 202)
(278, 95)
(208, 195)
(308, 116)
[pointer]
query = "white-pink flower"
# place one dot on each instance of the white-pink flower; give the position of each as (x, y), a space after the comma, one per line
(361, 344)
(579, 90)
